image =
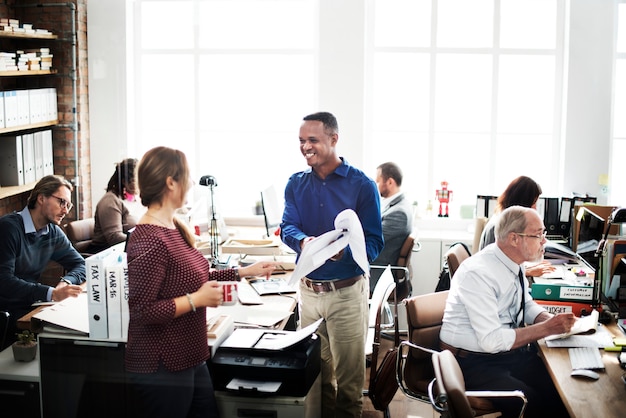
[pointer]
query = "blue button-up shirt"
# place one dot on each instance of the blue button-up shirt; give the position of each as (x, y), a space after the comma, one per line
(312, 203)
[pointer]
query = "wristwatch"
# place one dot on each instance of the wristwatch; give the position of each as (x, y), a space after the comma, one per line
(63, 279)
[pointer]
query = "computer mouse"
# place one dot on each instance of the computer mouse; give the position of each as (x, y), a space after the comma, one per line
(586, 373)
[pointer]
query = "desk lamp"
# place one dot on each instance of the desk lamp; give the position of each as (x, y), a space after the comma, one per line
(616, 218)
(210, 182)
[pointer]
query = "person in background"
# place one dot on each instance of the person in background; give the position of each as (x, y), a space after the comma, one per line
(491, 322)
(397, 217)
(522, 191)
(170, 286)
(112, 217)
(338, 290)
(30, 240)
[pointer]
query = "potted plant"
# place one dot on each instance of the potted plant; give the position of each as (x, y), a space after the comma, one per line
(25, 348)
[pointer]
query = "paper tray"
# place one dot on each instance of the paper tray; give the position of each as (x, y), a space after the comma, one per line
(252, 247)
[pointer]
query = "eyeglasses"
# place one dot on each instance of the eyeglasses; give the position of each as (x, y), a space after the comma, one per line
(64, 203)
(539, 237)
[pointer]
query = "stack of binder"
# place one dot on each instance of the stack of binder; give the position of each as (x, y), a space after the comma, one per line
(107, 290)
(25, 158)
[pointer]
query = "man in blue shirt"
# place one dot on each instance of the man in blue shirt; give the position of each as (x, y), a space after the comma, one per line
(30, 239)
(338, 290)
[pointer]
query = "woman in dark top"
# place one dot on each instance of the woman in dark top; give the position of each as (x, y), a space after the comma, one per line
(112, 217)
(170, 286)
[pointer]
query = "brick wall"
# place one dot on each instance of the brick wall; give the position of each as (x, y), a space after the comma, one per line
(71, 150)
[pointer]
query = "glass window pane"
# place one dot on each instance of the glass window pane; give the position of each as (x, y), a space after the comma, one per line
(402, 23)
(528, 24)
(253, 24)
(463, 23)
(401, 99)
(621, 28)
(158, 31)
(245, 165)
(618, 174)
(517, 155)
(526, 94)
(167, 91)
(463, 93)
(240, 92)
(461, 159)
(410, 151)
(619, 102)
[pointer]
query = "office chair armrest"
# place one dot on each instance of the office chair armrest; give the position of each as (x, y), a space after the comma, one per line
(500, 394)
(438, 402)
(401, 364)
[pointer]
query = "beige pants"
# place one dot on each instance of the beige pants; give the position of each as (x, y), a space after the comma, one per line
(342, 334)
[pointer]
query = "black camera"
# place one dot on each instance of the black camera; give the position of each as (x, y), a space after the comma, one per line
(208, 181)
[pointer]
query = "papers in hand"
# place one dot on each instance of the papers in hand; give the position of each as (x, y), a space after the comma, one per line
(348, 232)
(583, 326)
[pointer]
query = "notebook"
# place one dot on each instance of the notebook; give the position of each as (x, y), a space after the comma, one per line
(272, 286)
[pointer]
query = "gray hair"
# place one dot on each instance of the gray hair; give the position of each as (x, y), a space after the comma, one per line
(512, 219)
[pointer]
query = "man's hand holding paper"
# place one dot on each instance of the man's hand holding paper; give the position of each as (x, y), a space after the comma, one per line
(348, 232)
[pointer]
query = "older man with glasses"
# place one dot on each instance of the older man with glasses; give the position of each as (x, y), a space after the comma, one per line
(491, 322)
(30, 240)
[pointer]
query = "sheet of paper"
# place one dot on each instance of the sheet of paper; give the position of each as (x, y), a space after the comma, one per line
(251, 385)
(279, 341)
(253, 314)
(585, 324)
(601, 338)
(70, 313)
(348, 232)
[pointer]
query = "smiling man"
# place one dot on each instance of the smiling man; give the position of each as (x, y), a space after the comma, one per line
(338, 290)
(491, 322)
(30, 239)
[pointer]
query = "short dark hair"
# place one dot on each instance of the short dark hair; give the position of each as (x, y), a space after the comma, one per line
(391, 170)
(47, 186)
(522, 191)
(328, 119)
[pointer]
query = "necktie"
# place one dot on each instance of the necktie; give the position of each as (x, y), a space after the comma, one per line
(522, 308)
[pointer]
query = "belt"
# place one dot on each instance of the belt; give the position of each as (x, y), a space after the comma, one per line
(319, 286)
(461, 353)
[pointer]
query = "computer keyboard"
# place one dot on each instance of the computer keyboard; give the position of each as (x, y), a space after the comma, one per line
(585, 358)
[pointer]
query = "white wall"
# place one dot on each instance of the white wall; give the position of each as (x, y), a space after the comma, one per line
(586, 128)
(106, 37)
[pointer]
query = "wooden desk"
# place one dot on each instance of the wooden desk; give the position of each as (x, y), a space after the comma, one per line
(605, 397)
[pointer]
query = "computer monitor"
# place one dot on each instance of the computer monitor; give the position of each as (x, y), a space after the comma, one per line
(589, 234)
(272, 210)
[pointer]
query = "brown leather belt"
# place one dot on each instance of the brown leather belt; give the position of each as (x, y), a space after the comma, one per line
(461, 353)
(458, 352)
(319, 286)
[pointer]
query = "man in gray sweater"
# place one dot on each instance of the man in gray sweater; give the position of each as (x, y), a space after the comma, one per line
(30, 239)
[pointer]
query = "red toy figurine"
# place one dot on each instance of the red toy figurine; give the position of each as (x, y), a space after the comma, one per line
(443, 196)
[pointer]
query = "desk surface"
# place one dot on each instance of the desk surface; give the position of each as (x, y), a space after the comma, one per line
(605, 397)
(19, 371)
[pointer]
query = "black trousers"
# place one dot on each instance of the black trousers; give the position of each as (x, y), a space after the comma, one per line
(520, 369)
(184, 394)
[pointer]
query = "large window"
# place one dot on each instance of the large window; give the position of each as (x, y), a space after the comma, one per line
(227, 82)
(464, 83)
(472, 89)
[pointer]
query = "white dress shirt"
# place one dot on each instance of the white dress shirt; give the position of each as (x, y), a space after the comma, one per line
(484, 303)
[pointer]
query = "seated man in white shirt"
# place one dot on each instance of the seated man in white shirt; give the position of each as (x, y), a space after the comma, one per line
(491, 322)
